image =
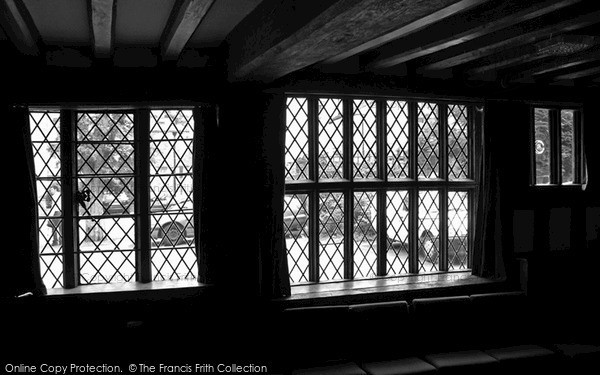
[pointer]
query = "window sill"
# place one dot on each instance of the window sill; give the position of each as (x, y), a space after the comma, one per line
(387, 288)
(179, 288)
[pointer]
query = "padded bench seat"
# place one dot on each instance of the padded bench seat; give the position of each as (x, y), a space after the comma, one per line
(338, 369)
(524, 357)
(463, 362)
(404, 366)
(579, 358)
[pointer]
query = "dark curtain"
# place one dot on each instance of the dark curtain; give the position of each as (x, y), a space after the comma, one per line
(21, 263)
(273, 271)
(205, 143)
(591, 132)
(239, 160)
(493, 220)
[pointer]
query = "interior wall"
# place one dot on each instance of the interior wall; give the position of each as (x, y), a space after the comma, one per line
(541, 210)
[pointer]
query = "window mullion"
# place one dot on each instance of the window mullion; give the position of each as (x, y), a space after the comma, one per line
(381, 194)
(472, 214)
(142, 191)
(313, 235)
(348, 159)
(555, 150)
(382, 240)
(413, 224)
(443, 235)
(348, 234)
(68, 130)
(577, 148)
(443, 209)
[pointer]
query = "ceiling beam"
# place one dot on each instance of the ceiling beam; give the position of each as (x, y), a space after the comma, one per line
(461, 29)
(102, 24)
(410, 28)
(19, 26)
(590, 55)
(520, 55)
(183, 21)
(580, 74)
(280, 37)
(517, 37)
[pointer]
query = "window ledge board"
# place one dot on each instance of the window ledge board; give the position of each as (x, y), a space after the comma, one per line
(132, 289)
(379, 289)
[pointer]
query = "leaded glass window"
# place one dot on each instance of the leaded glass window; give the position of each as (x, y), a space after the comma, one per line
(392, 189)
(106, 213)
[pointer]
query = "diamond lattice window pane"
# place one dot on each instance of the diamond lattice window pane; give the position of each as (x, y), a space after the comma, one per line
(331, 139)
(45, 139)
(174, 264)
(46, 158)
(365, 234)
(458, 230)
(295, 226)
(542, 146)
(169, 157)
(100, 267)
(105, 158)
(109, 196)
(458, 142)
(428, 140)
(171, 193)
(44, 126)
(172, 124)
(50, 235)
(567, 140)
(296, 139)
(49, 197)
(51, 267)
(331, 236)
(429, 229)
(397, 139)
(365, 138)
(397, 219)
(107, 234)
(92, 127)
(172, 230)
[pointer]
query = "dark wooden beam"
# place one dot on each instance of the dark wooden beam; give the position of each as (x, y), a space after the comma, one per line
(184, 19)
(592, 54)
(19, 26)
(102, 25)
(462, 28)
(280, 37)
(580, 74)
(520, 55)
(437, 16)
(505, 39)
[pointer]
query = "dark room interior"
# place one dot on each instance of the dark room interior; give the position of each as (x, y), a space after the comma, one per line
(375, 187)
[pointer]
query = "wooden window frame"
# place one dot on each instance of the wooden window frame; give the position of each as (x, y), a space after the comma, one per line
(142, 214)
(383, 184)
(554, 123)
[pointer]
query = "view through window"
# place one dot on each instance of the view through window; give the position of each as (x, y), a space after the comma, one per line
(132, 216)
(377, 187)
(557, 146)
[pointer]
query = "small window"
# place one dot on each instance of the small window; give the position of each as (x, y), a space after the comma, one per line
(557, 157)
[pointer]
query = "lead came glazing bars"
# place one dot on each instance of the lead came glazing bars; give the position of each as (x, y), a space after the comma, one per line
(45, 128)
(173, 254)
(105, 152)
(394, 225)
(102, 156)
